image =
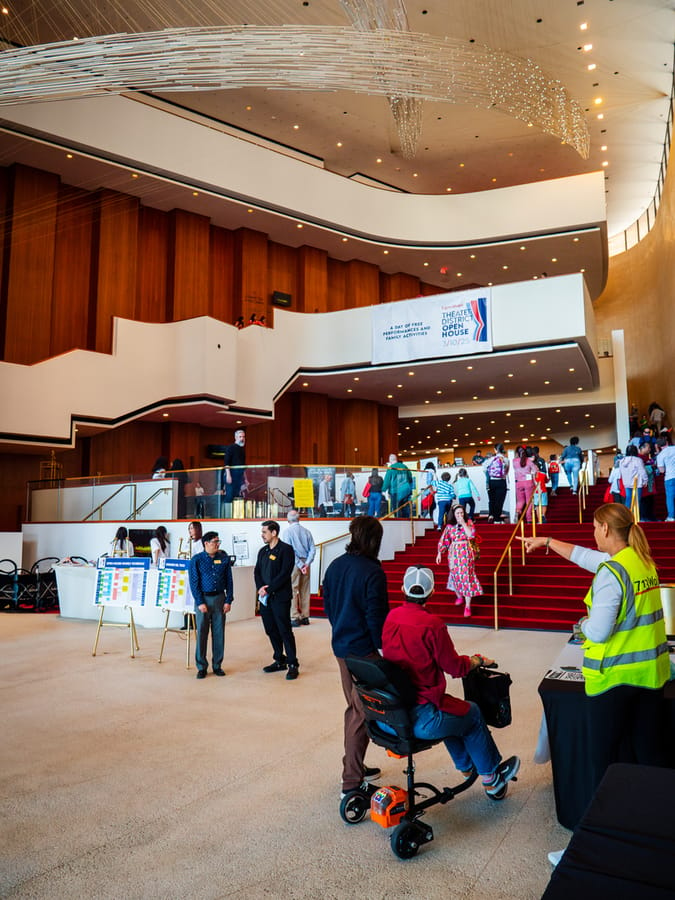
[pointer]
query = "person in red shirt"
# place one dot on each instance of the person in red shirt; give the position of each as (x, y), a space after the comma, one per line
(419, 643)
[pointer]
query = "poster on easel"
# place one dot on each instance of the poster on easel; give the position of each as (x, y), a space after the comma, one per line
(121, 582)
(173, 586)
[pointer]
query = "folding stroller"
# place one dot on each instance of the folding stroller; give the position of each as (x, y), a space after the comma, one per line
(388, 698)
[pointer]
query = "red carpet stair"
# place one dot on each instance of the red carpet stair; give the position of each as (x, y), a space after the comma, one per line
(548, 591)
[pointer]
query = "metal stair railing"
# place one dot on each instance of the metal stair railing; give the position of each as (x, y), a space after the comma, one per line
(519, 526)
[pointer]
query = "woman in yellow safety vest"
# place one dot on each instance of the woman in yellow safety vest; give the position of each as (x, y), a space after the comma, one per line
(626, 660)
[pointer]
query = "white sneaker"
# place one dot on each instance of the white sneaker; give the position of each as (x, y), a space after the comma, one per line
(555, 856)
(670, 520)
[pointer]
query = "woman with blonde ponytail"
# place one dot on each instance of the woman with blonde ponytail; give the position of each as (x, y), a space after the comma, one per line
(626, 660)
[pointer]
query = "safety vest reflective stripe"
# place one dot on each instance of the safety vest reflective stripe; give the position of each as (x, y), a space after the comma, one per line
(625, 659)
(636, 621)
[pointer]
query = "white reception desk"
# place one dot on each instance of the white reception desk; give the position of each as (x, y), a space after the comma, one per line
(76, 586)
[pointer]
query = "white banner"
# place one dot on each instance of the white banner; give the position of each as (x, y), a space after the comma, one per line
(433, 327)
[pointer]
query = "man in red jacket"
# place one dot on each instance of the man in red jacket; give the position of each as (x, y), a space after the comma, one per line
(419, 642)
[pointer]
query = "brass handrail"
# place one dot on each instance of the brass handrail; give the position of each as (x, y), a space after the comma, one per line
(635, 503)
(321, 544)
(148, 500)
(520, 524)
(99, 508)
(582, 493)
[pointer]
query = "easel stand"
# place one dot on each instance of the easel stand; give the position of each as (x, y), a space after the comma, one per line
(131, 625)
(191, 626)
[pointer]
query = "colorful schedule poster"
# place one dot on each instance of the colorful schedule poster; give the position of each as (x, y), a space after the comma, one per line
(173, 586)
(121, 582)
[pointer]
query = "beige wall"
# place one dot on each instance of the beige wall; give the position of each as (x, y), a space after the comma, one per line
(639, 298)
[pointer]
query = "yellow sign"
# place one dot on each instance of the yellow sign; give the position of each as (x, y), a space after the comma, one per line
(303, 493)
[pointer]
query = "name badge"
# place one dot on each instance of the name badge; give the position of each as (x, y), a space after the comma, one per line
(217, 562)
(272, 556)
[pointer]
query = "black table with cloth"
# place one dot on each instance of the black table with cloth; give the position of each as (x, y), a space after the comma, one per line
(624, 846)
(565, 708)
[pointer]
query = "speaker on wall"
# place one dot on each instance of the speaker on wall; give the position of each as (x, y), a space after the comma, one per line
(281, 299)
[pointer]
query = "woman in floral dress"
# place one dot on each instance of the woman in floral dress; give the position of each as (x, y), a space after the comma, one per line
(461, 569)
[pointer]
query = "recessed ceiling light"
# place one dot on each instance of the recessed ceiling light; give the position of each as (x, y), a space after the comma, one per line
(439, 392)
(195, 193)
(339, 144)
(472, 256)
(165, 415)
(598, 101)
(522, 248)
(295, 127)
(605, 163)
(411, 373)
(344, 240)
(526, 393)
(504, 267)
(453, 381)
(469, 368)
(134, 174)
(378, 160)
(399, 385)
(69, 155)
(426, 263)
(533, 362)
(576, 240)
(427, 401)
(510, 375)
(389, 396)
(588, 48)
(349, 391)
(386, 252)
(554, 259)
(591, 67)
(448, 189)
(570, 370)
(583, 26)
(356, 378)
(475, 398)
(601, 115)
(249, 210)
(299, 225)
(249, 108)
(459, 274)
(491, 387)
(604, 147)
(305, 384)
(547, 382)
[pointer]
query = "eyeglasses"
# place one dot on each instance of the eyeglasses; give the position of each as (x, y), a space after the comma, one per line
(214, 541)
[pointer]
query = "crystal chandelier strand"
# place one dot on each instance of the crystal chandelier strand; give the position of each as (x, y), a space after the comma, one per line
(387, 63)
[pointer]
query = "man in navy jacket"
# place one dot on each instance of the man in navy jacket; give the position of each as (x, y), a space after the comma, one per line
(356, 603)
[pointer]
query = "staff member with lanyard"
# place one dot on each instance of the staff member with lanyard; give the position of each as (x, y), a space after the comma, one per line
(626, 659)
(211, 586)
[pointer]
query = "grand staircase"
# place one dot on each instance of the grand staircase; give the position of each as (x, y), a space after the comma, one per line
(548, 591)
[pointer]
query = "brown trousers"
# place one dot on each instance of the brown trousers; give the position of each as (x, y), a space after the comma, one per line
(356, 735)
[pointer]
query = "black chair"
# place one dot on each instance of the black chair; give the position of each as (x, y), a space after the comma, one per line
(46, 592)
(8, 584)
(26, 590)
(388, 697)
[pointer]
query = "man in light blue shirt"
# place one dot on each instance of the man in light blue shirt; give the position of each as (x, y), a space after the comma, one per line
(302, 543)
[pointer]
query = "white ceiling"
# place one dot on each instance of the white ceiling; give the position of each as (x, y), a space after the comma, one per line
(461, 148)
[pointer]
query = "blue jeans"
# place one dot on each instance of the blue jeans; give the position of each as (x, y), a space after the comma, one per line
(443, 505)
(466, 738)
(571, 467)
(213, 620)
(374, 503)
(629, 496)
(469, 506)
(554, 481)
(670, 497)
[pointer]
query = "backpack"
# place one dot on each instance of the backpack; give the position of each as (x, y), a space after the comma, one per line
(553, 467)
(496, 468)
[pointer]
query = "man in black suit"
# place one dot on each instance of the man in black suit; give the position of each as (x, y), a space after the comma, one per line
(273, 573)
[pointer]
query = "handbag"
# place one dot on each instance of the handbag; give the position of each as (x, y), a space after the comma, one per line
(349, 499)
(475, 546)
(489, 690)
(366, 489)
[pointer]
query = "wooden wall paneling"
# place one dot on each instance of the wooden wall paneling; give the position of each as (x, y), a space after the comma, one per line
(284, 448)
(336, 431)
(31, 242)
(72, 270)
(310, 423)
(4, 232)
(427, 290)
(388, 432)
(361, 432)
(363, 284)
(152, 272)
(398, 287)
(115, 258)
(221, 276)
(128, 449)
(312, 281)
(250, 272)
(337, 285)
(16, 471)
(282, 269)
(185, 443)
(189, 269)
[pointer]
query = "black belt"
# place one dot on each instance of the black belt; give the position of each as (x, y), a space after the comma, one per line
(213, 593)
